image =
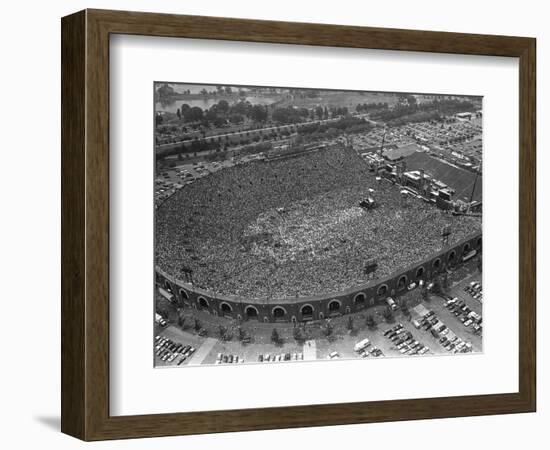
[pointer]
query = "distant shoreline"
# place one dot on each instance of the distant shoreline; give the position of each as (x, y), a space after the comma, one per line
(173, 98)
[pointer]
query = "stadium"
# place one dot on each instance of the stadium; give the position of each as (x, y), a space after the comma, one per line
(303, 236)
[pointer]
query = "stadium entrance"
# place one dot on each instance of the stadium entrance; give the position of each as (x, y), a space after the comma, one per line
(334, 308)
(251, 313)
(279, 314)
(307, 312)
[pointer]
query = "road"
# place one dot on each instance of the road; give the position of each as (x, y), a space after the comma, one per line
(238, 133)
(203, 351)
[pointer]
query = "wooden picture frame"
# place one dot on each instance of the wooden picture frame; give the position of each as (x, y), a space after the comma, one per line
(85, 224)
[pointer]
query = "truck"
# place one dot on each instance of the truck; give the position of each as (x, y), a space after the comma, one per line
(160, 320)
(391, 303)
(361, 345)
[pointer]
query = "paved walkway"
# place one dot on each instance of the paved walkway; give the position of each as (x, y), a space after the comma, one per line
(310, 351)
(203, 351)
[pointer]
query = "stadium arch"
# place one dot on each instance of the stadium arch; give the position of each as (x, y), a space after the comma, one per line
(203, 303)
(360, 300)
(278, 313)
(451, 259)
(226, 308)
(251, 312)
(402, 283)
(382, 290)
(306, 311)
(334, 306)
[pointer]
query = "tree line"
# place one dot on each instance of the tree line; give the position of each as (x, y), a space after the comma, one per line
(403, 113)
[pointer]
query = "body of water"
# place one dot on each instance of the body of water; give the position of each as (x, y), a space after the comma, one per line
(205, 103)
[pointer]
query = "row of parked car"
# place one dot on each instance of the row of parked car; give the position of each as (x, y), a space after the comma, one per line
(430, 322)
(365, 349)
(448, 340)
(455, 344)
(229, 359)
(169, 351)
(465, 314)
(404, 341)
(281, 357)
(475, 290)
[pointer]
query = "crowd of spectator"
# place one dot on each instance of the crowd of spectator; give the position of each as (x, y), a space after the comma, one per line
(293, 227)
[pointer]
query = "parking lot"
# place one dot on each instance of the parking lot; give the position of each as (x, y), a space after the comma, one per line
(409, 341)
(314, 342)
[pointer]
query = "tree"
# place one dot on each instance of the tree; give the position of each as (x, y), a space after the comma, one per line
(445, 282)
(436, 288)
(224, 333)
(181, 318)
(319, 112)
(424, 293)
(193, 114)
(275, 337)
(328, 328)
(258, 113)
(286, 115)
(221, 107)
(211, 114)
(158, 119)
(197, 325)
(219, 121)
(165, 91)
(370, 322)
(350, 323)
(298, 335)
(411, 99)
(405, 309)
(241, 334)
(388, 314)
(236, 119)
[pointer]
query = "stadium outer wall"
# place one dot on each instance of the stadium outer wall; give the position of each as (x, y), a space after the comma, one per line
(321, 306)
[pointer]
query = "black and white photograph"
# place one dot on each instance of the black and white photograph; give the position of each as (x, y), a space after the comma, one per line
(300, 224)
(264, 225)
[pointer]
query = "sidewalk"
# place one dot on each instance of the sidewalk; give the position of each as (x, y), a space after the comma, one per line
(310, 351)
(203, 351)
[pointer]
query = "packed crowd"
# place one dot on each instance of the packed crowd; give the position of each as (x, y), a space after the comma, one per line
(293, 227)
